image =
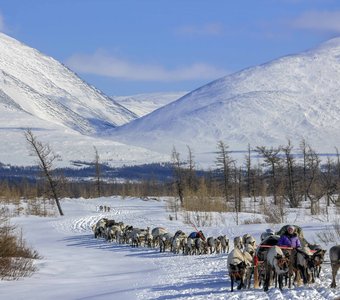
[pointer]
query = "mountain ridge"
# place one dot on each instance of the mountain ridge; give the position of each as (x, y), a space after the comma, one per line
(38, 92)
(33, 79)
(294, 97)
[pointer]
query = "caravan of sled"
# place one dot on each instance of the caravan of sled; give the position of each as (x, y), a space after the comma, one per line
(266, 262)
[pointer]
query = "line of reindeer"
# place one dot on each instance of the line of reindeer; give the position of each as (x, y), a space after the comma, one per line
(194, 244)
(277, 265)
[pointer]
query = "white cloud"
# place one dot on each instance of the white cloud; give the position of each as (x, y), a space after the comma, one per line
(317, 20)
(100, 63)
(206, 29)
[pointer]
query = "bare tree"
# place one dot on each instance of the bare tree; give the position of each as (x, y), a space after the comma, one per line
(258, 182)
(271, 158)
(291, 190)
(250, 175)
(337, 163)
(338, 174)
(248, 167)
(46, 157)
(314, 187)
(303, 147)
(98, 171)
(191, 178)
(237, 186)
(329, 181)
(224, 164)
(179, 174)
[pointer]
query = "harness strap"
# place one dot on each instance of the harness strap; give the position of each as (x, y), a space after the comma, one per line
(282, 247)
(268, 246)
(236, 274)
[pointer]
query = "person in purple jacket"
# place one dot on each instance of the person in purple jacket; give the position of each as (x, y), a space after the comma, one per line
(290, 238)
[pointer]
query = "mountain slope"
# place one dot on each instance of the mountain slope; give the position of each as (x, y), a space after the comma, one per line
(38, 92)
(69, 144)
(43, 87)
(143, 104)
(292, 97)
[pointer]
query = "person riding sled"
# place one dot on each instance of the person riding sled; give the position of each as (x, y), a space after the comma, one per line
(289, 238)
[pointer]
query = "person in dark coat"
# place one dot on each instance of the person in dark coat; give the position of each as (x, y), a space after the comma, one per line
(197, 234)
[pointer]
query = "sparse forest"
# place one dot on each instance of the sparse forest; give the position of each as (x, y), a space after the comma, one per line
(266, 182)
(289, 177)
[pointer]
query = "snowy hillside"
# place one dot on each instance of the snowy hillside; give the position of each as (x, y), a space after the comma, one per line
(143, 104)
(38, 92)
(69, 144)
(292, 97)
(75, 265)
(43, 87)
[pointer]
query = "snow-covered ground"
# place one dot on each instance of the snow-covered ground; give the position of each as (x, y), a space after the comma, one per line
(75, 265)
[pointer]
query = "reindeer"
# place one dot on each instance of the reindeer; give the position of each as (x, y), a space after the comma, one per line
(127, 234)
(111, 232)
(156, 232)
(99, 228)
(248, 239)
(236, 268)
(218, 246)
(213, 244)
(317, 260)
(165, 241)
(238, 243)
(138, 236)
(334, 256)
(248, 254)
(189, 246)
(119, 235)
(178, 241)
(201, 246)
(135, 239)
(304, 263)
(277, 265)
(224, 243)
(175, 244)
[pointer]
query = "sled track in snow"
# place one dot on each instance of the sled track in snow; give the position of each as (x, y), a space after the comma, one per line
(84, 224)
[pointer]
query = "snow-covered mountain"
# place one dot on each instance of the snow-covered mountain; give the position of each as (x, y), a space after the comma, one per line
(38, 92)
(39, 85)
(293, 97)
(143, 104)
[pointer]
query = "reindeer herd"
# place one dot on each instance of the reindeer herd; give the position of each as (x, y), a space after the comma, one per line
(180, 242)
(266, 263)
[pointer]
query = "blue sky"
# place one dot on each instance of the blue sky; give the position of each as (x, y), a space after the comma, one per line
(124, 47)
